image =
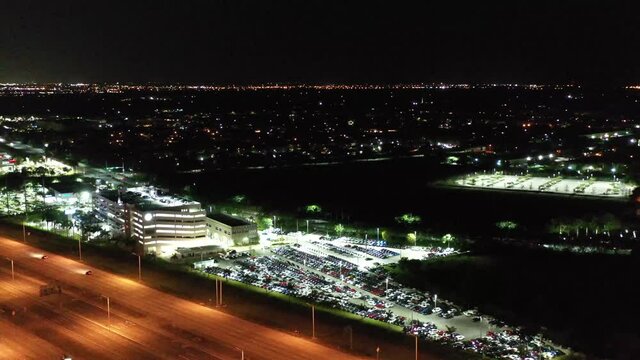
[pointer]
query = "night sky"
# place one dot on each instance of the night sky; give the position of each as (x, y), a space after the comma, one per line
(305, 41)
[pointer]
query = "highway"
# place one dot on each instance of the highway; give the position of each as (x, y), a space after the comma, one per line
(138, 323)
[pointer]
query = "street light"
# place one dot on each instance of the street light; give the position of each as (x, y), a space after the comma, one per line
(12, 273)
(108, 311)
(416, 346)
(241, 352)
(307, 226)
(313, 321)
(139, 267)
(219, 292)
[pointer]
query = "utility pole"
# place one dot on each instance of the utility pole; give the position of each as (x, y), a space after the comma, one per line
(80, 248)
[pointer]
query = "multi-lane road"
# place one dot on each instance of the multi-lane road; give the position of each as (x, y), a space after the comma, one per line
(137, 323)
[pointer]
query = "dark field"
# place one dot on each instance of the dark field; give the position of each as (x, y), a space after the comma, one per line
(588, 302)
(376, 192)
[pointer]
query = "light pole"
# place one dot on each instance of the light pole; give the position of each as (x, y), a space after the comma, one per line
(378, 353)
(377, 234)
(139, 267)
(80, 248)
(435, 301)
(241, 352)
(217, 293)
(12, 273)
(108, 311)
(416, 346)
(24, 230)
(307, 226)
(386, 285)
(313, 322)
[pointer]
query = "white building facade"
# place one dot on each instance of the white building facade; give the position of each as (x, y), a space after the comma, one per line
(163, 230)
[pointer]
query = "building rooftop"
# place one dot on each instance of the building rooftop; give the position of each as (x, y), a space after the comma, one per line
(70, 187)
(228, 219)
(147, 198)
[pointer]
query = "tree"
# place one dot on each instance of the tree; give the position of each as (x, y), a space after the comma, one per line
(610, 222)
(52, 215)
(264, 223)
(13, 182)
(506, 225)
(239, 199)
(339, 228)
(313, 209)
(447, 239)
(557, 226)
(88, 224)
(66, 224)
(408, 219)
(412, 238)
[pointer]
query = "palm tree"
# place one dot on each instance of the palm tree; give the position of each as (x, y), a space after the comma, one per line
(447, 239)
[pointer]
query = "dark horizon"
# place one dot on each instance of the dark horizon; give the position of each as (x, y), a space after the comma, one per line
(247, 42)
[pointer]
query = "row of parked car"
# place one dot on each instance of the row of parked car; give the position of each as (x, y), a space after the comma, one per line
(340, 284)
(379, 253)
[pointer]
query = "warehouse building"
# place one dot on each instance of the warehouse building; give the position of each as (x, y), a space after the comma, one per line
(229, 230)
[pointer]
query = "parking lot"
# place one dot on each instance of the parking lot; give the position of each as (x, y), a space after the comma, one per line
(349, 274)
(559, 185)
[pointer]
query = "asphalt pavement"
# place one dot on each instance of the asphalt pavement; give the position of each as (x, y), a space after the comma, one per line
(139, 322)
